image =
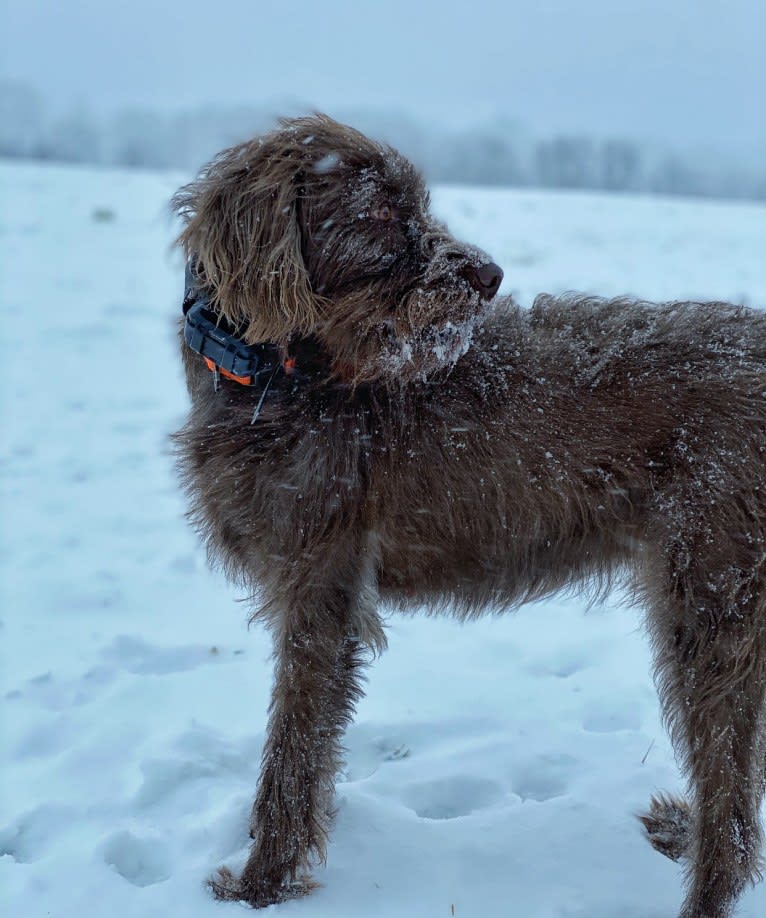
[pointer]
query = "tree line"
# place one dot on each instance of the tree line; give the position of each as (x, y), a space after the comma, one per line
(497, 153)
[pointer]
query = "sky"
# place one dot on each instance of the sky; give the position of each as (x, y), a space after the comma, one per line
(686, 73)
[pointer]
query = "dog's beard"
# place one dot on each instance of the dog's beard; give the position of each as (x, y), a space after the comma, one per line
(427, 331)
(400, 355)
(425, 351)
(417, 349)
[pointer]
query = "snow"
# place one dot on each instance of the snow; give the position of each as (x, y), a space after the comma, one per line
(493, 768)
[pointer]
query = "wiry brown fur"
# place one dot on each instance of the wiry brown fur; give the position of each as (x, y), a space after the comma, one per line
(570, 442)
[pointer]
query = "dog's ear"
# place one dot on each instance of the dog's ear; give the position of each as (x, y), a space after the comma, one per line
(243, 229)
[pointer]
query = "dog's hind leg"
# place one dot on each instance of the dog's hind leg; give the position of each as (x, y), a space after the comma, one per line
(710, 637)
(667, 824)
(319, 657)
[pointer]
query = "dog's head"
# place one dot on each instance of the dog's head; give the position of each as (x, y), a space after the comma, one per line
(316, 230)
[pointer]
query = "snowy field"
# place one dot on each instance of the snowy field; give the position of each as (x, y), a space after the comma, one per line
(493, 768)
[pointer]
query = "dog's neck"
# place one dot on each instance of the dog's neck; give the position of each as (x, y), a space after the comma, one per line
(226, 354)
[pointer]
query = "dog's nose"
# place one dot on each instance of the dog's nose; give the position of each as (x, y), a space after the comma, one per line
(485, 279)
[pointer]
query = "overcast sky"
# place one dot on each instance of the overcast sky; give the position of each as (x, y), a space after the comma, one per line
(678, 72)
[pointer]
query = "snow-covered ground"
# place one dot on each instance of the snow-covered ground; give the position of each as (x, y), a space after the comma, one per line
(493, 768)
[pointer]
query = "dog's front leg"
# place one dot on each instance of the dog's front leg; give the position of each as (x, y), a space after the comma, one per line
(321, 641)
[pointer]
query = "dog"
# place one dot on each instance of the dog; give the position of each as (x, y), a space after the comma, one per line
(394, 435)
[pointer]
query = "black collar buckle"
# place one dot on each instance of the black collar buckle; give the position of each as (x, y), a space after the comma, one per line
(211, 336)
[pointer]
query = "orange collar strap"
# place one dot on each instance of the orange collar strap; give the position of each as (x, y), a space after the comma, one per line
(288, 367)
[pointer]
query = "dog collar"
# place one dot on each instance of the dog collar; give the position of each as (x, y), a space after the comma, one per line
(213, 338)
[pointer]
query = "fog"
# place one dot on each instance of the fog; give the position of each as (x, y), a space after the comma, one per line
(684, 80)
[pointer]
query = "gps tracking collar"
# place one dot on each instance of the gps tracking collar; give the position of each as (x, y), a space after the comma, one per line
(215, 339)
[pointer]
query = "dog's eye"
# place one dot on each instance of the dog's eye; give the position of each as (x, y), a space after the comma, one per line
(385, 213)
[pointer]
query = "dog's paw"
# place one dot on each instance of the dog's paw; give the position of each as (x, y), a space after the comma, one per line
(668, 825)
(257, 891)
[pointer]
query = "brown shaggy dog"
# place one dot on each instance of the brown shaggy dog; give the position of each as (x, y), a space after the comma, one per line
(386, 462)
